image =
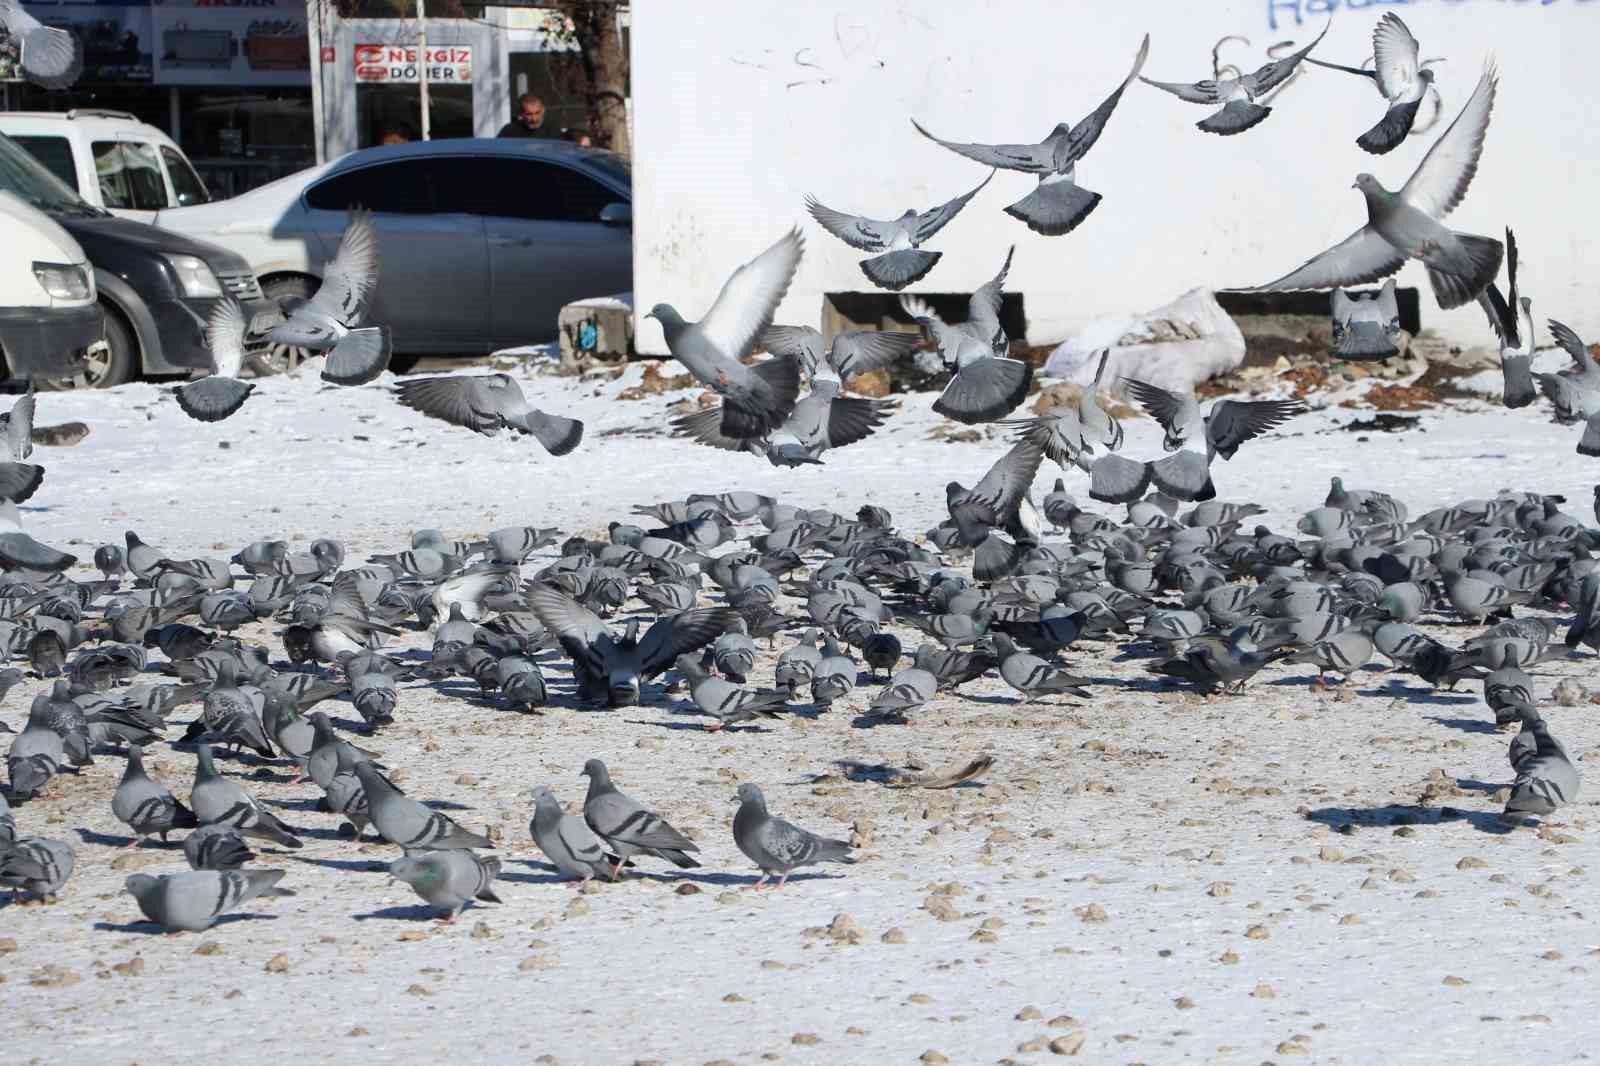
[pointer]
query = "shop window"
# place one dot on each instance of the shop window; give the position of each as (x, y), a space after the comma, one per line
(390, 114)
(130, 175)
(55, 153)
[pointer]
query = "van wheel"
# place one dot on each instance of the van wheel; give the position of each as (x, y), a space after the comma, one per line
(282, 358)
(109, 364)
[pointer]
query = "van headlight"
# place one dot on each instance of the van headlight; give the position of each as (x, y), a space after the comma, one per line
(63, 281)
(194, 277)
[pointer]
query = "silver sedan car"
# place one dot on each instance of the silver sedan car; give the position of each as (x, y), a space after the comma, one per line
(481, 242)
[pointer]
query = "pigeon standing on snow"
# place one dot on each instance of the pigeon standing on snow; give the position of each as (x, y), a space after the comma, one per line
(145, 805)
(1547, 778)
(484, 403)
(566, 841)
(1059, 204)
(1404, 224)
(1238, 96)
(620, 821)
(216, 847)
(50, 58)
(755, 399)
(402, 820)
(987, 384)
(1399, 76)
(192, 901)
(1366, 325)
(899, 239)
(330, 321)
(449, 880)
(726, 702)
(776, 846)
(906, 691)
(217, 800)
(1032, 676)
(37, 865)
(213, 398)
(1512, 321)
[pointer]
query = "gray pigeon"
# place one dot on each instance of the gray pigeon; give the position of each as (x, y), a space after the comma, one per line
(19, 551)
(1366, 326)
(900, 239)
(330, 321)
(1032, 676)
(50, 58)
(401, 820)
(906, 691)
(1212, 662)
(193, 900)
(449, 880)
(37, 865)
(1405, 224)
(1343, 652)
(1548, 778)
(8, 824)
(36, 755)
(1509, 692)
(1185, 473)
(621, 822)
(821, 420)
(776, 846)
(726, 702)
(486, 403)
(1239, 95)
(986, 384)
(1512, 320)
(757, 399)
(213, 398)
(145, 805)
(219, 800)
(567, 841)
(835, 675)
(852, 353)
(1399, 76)
(216, 847)
(374, 696)
(797, 665)
(1574, 394)
(1059, 204)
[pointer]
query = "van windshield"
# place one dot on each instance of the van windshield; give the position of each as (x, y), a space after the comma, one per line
(26, 178)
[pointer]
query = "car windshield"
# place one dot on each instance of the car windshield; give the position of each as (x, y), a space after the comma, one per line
(26, 178)
(611, 164)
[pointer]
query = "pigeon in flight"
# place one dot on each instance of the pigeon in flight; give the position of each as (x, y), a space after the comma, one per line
(330, 321)
(1237, 96)
(755, 399)
(1059, 204)
(1575, 395)
(986, 385)
(899, 239)
(484, 403)
(1512, 321)
(1399, 76)
(1405, 224)
(851, 354)
(1366, 325)
(994, 516)
(1186, 474)
(211, 399)
(50, 58)
(821, 421)
(19, 480)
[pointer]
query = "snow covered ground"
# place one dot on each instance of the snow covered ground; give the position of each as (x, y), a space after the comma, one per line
(1150, 876)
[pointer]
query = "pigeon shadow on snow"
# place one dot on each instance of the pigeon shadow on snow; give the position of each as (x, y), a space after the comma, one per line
(149, 928)
(420, 912)
(1466, 725)
(114, 840)
(1397, 814)
(364, 866)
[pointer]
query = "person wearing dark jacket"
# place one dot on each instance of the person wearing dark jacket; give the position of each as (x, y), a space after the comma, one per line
(529, 119)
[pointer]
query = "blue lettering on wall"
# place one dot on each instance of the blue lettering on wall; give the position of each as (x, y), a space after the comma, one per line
(1290, 13)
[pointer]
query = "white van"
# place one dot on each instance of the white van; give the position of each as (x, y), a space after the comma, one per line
(48, 313)
(110, 158)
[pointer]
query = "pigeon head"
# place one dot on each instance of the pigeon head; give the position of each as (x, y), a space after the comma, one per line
(748, 793)
(413, 870)
(595, 770)
(139, 885)
(1369, 186)
(672, 323)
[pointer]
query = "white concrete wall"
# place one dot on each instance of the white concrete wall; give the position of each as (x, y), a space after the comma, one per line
(743, 107)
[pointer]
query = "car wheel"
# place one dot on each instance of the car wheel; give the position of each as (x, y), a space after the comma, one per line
(108, 364)
(281, 358)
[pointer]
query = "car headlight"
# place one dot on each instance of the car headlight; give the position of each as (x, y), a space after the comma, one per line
(194, 277)
(63, 281)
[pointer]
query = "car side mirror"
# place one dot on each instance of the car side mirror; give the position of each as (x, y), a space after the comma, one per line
(618, 214)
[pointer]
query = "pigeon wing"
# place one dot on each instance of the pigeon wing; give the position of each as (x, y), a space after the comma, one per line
(1028, 158)
(1442, 178)
(933, 220)
(860, 351)
(983, 309)
(1009, 479)
(1174, 412)
(1394, 53)
(1200, 92)
(348, 281)
(1232, 422)
(850, 419)
(706, 427)
(681, 634)
(1274, 74)
(460, 399)
(747, 302)
(1076, 144)
(51, 58)
(867, 234)
(802, 342)
(225, 328)
(1361, 257)
(19, 426)
(577, 628)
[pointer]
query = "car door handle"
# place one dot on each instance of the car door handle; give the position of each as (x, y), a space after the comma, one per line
(511, 242)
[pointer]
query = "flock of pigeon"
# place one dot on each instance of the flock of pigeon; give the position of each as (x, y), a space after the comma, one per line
(1215, 597)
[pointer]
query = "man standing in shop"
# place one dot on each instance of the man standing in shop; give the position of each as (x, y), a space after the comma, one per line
(529, 119)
